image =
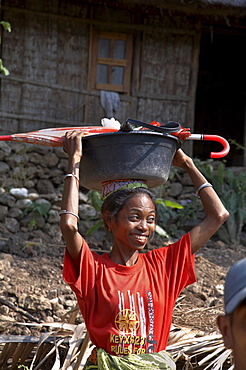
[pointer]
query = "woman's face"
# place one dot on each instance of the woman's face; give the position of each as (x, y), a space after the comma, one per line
(134, 224)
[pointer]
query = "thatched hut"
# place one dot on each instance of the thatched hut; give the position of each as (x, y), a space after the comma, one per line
(73, 62)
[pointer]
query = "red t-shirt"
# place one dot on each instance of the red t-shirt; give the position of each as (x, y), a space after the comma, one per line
(129, 309)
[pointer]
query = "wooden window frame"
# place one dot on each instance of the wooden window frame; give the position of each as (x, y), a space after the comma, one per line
(94, 60)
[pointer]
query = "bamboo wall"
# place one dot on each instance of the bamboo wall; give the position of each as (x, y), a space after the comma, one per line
(47, 54)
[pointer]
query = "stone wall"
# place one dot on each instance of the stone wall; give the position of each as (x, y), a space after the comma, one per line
(31, 185)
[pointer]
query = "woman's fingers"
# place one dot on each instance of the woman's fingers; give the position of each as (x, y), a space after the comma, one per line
(73, 143)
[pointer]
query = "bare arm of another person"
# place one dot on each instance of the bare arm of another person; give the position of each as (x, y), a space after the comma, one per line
(216, 213)
(70, 197)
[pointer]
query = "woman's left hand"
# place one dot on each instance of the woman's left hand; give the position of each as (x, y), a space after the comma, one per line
(180, 159)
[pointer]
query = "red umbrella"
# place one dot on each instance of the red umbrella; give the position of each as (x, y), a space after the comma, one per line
(54, 136)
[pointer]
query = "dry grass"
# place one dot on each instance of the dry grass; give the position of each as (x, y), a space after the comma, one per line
(67, 346)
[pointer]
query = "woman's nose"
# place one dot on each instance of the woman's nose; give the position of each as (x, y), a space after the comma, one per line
(143, 225)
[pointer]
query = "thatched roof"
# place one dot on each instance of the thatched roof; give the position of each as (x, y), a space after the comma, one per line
(235, 8)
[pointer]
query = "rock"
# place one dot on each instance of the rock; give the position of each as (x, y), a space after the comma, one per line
(5, 148)
(33, 196)
(185, 178)
(19, 193)
(16, 160)
(3, 212)
(219, 290)
(4, 310)
(4, 266)
(33, 221)
(29, 184)
(36, 158)
(23, 203)
(51, 160)
(175, 189)
(34, 303)
(63, 165)
(12, 224)
(7, 200)
(45, 186)
(52, 294)
(70, 303)
(15, 212)
(86, 210)
(83, 198)
(2, 191)
(54, 217)
(7, 257)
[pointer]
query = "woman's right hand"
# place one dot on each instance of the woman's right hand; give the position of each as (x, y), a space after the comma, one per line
(73, 143)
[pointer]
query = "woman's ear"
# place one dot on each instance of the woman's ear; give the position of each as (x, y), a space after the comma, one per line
(224, 324)
(108, 218)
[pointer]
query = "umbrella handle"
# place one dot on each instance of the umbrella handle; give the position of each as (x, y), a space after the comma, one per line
(220, 139)
(6, 138)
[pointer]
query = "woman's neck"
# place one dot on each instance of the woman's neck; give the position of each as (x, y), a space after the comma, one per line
(123, 258)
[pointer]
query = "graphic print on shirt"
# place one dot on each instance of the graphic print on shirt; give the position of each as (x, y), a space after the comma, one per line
(132, 322)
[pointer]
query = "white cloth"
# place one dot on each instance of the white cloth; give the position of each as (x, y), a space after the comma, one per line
(110, 102)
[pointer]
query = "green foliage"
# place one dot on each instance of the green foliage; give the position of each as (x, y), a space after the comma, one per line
(96, 201)
(237, 145)
(32, 225)
(94, 228)
(168, 203)
(7, 27)
(23, 367)
(231, 189)
(41, 209)
(190, 209)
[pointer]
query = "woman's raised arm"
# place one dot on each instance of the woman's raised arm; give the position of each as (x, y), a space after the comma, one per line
(216, 213)
(70, 197)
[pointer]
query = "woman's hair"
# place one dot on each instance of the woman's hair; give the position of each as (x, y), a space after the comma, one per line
(114, 203)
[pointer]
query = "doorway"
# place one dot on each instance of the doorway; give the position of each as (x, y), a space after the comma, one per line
(220, 97)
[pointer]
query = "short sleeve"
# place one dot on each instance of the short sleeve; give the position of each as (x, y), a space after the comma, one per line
(80, 280)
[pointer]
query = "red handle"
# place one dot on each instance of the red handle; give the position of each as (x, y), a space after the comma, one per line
(6, 138)
(220, 139)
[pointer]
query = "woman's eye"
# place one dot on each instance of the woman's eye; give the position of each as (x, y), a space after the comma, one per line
(133, 218)
(151, 220)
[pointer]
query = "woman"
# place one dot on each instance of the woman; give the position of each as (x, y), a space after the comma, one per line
(126, 297)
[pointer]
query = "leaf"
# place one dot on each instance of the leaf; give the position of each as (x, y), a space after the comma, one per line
(168, 203)
(96, 199)
(171, 204)
(6, 26)
(160, 231)
(3, 69)
(95, 227)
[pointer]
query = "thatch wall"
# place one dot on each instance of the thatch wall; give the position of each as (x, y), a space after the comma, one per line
(47, 54)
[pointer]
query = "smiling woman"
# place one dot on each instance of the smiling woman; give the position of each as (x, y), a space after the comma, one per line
(127, 297)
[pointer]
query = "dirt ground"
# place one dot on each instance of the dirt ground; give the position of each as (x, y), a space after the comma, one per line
(39, 268)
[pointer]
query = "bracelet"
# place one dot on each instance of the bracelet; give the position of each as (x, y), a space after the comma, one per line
(71, 175)
(205, 185)
(64, 211)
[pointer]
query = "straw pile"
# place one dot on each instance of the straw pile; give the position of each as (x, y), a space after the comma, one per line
(191, 349)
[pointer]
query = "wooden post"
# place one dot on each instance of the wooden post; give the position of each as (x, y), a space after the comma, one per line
(190, 113)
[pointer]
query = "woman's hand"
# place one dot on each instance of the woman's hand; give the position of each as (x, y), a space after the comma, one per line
(73, 143)
(180, 159)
